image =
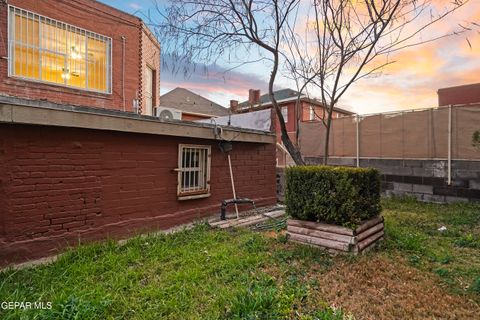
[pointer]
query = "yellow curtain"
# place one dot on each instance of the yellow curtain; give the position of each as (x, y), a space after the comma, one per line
(51, 51)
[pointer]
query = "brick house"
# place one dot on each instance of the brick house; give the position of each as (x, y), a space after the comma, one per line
(459, 95)
(78, 52)
(192, 106)
(77, 161)
(70, 174)
(308, 110)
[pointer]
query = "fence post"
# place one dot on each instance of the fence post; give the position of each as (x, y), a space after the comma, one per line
(358, 141)
(449, 145)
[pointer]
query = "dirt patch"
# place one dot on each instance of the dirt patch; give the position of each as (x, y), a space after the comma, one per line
(384, 288)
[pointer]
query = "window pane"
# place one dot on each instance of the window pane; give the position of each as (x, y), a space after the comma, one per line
(52, 51)
(76, 65)
(97, 64)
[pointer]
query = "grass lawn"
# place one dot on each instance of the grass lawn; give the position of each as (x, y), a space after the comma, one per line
(417, 272)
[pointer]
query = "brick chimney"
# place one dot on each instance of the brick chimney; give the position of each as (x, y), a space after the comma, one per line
(233, 106)
(253, 96)
(257, 96)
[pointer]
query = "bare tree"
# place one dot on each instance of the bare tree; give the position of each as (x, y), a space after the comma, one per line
(206, 31)
(344, 41)
(349, 40)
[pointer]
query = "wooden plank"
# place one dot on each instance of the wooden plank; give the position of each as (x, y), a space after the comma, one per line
(320, 227)
(250, 222)
(275, 214)
(330, 244)
(368, 224)
(321, 234)
(365, 234)
(218, 223)
(243, 220)
(235, 222)
(370, 240)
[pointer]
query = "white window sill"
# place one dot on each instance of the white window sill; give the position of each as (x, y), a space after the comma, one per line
(196, 196)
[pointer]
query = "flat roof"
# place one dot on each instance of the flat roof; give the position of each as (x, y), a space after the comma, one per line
(36, 112)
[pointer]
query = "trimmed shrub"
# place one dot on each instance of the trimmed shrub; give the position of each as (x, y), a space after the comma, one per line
(334, 195)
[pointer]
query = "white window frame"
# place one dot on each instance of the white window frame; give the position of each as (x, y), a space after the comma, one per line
(195, 192)
(285, 114)
(12, 10)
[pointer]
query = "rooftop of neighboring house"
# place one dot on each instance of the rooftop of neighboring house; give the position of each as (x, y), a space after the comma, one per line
(190, 102)
(282, 96)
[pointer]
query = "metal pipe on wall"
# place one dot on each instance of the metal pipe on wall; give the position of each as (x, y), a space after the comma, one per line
(123, 72)
(449, 145)
(358, 141)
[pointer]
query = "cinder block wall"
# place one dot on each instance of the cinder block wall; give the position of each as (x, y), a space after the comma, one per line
(59, 185)
(424, 179)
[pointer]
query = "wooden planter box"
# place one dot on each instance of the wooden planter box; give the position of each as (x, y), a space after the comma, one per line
(335, 238)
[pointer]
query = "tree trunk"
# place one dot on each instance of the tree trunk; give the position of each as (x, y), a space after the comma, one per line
(287, 142)
(327, 134)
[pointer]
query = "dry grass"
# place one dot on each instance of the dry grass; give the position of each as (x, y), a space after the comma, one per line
(379, 287)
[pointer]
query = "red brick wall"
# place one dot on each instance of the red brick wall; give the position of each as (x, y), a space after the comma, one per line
(59, 184)
(95, 17)
(466, 94)
(150, 56)
(193, 117)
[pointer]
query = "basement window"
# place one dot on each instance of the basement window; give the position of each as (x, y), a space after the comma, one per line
(50, 51)
(193, 171)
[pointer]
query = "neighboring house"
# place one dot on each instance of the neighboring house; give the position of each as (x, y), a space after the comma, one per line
(308, 110)
(78, 52)
(459, 95)
(192, 106)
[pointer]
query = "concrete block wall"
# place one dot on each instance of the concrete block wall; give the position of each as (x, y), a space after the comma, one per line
(424, 179)
(60, 184)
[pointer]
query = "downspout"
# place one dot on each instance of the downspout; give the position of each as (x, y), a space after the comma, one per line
(123, 73)
(358, 141)
(449, 182)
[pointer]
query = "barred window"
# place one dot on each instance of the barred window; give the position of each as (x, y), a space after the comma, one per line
(47, 50)
(193, 171)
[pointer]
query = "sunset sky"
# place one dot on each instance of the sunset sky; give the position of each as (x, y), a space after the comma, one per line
(410, 83)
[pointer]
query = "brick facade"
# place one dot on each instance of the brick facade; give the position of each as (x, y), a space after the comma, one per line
(104, 20)
(61, 184)
(150, 57)
(466, 94)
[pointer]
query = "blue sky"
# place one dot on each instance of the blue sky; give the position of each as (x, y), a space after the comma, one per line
(410, 83)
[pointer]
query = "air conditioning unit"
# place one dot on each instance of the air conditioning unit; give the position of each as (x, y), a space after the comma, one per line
(168, 113)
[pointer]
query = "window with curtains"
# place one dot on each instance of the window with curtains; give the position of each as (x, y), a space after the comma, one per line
(193, 171)
(47, 50)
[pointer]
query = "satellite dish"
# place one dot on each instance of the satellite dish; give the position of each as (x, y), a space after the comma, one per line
(166, 115)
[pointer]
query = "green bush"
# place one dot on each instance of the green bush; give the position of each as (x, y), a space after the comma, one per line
(334, 195)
